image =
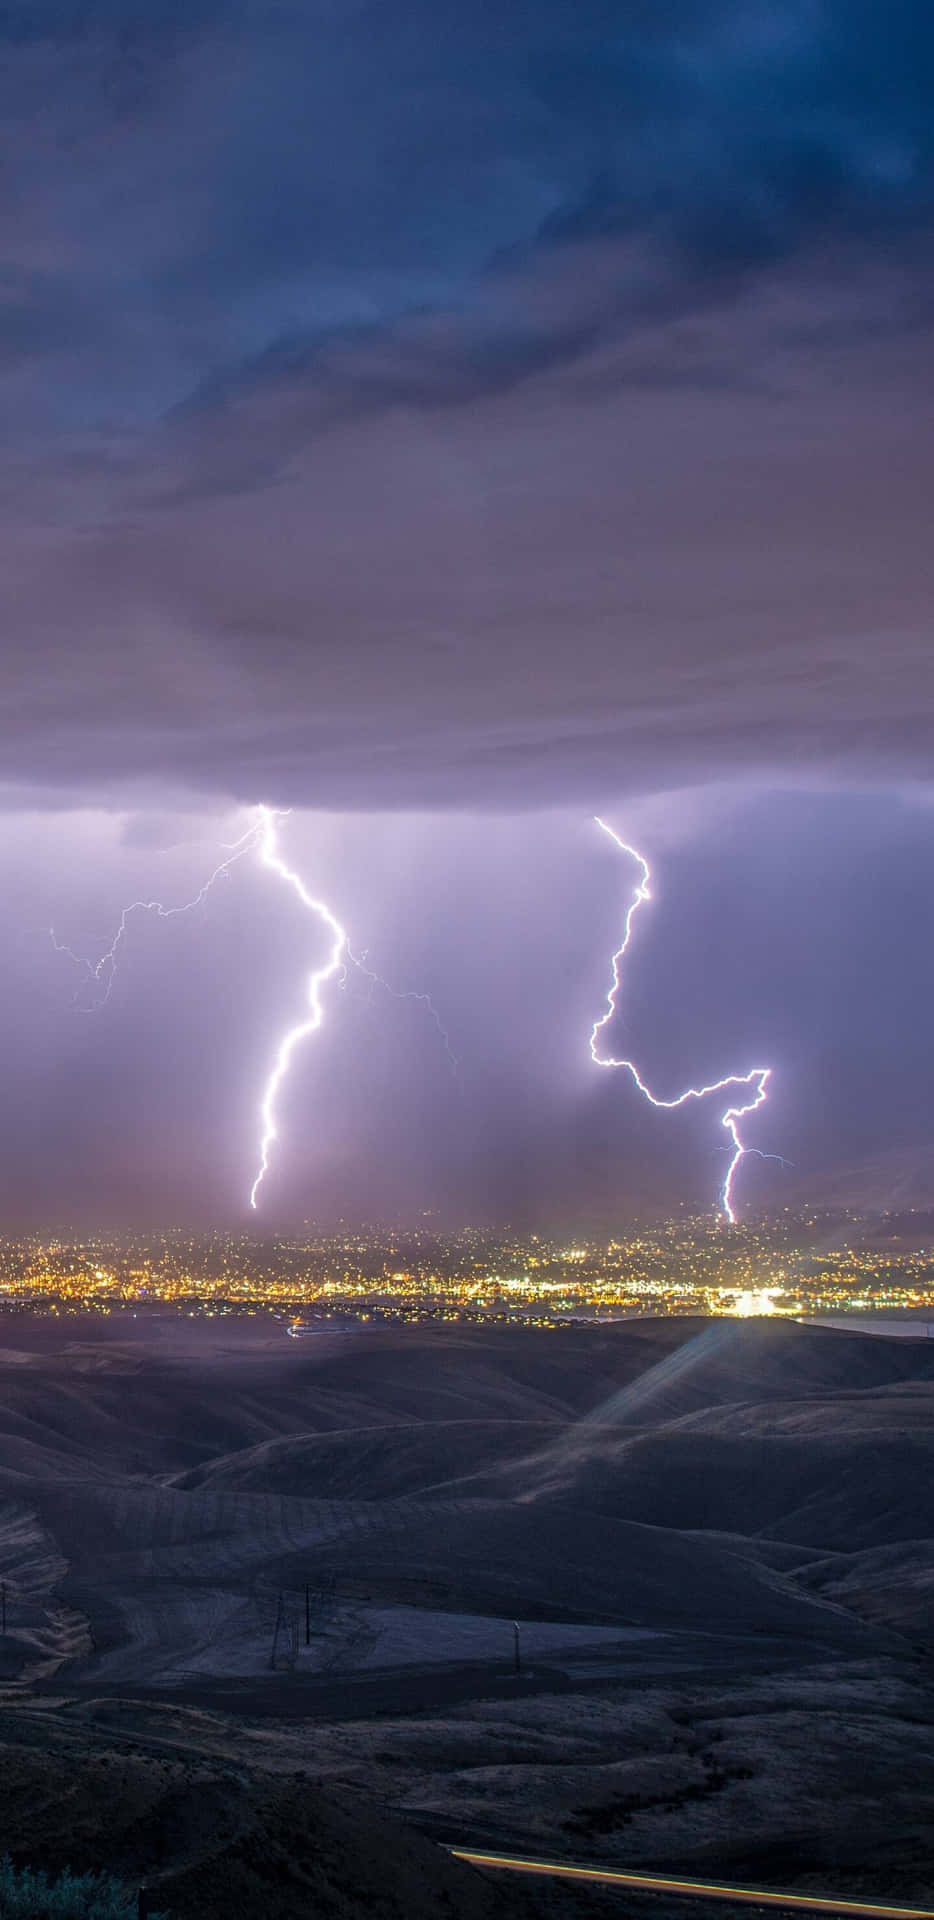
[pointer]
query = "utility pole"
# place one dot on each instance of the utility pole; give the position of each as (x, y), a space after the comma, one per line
(516, 1653)
(284, 1629)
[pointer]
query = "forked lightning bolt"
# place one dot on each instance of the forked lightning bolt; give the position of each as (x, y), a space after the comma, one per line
(333, 965)
(757, 1079)
(100, 974)
(260, 837)
(408, 993)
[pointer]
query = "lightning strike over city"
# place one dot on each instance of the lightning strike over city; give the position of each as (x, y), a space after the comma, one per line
(317, 979)
(756, 1079)
(434, 423)
(260, 837)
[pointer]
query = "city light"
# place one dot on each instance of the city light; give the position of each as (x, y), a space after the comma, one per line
(800, 1266)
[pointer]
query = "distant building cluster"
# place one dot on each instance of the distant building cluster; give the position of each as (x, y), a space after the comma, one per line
(804, 1265)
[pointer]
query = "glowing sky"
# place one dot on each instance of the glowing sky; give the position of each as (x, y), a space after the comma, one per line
(451, 422)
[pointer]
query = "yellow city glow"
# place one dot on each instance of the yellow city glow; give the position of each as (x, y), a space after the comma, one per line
(755, 1300)
(688, 1266)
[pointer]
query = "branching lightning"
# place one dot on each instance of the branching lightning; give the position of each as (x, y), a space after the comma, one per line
(756, 1080)
(100, 974)
(422, 999)
(260, 837)
(333, 965)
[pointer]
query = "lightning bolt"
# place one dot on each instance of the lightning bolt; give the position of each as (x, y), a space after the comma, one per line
(102, 972)
(261, 836)
(423, 999)
(756, 1080)
(334, 965)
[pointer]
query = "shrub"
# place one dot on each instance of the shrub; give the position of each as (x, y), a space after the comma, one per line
(26, 1893)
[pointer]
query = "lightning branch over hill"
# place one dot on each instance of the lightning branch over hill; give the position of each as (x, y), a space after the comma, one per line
(756, 1079)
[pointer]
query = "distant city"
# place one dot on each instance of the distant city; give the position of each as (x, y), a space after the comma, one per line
(809, 1264)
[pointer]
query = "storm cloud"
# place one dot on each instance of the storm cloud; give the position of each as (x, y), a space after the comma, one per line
(449, 421)
(441, 406)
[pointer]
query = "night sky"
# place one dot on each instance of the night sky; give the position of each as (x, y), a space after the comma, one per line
(449, 421)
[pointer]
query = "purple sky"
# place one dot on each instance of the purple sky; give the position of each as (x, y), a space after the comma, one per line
(786, 928)
(449, 422)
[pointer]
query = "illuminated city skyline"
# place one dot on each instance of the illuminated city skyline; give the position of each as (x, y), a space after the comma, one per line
(797, 1265)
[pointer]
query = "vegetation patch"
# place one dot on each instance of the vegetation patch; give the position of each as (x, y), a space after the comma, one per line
(26, 1893)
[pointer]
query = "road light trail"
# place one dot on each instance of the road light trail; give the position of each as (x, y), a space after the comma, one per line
(700, 1889)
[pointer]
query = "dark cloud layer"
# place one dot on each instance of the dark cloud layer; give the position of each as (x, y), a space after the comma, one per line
(455, 404)
(503, 412)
